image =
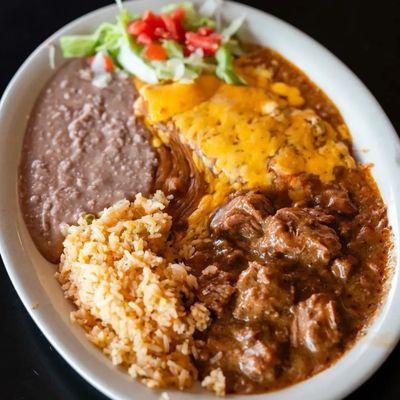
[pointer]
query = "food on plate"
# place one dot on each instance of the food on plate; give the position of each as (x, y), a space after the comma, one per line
(83, 150)
(135, 305)
(202, 198)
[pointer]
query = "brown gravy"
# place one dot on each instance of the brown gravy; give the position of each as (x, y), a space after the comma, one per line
(291, 285)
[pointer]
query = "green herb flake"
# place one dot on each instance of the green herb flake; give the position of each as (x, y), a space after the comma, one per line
(89, 218)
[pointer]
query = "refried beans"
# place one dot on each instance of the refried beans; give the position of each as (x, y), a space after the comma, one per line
(83, 151)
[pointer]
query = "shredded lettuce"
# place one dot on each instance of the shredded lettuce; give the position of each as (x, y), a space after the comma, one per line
(189, 75)
(123, 20)
(175, 69)
(132, 62)
(183, 69)
(174, 49)
(212, 8)
(107, 37)
(186, 5)
(225, 69)
(197, 62)
(78, 45)
(163, 70)
(234, 47)
(232, 28)
(119, 5)
(52, 56)
(180, 68)
(201, 21)
(127, 54)
(192, 19)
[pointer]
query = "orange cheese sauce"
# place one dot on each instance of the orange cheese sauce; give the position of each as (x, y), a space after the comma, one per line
(243, 137)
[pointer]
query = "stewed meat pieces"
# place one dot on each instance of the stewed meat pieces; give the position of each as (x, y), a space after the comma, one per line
(341, 268)
(260, 294)
(258, 362)
(292, 254)
(300, 234)
(316, 325)
(336, 200)
(242, 217)
(247, 357)
(215, 288)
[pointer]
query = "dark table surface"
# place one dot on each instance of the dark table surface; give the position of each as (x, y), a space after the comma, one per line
(363, 34)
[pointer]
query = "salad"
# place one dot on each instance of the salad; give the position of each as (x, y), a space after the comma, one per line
(179, 44)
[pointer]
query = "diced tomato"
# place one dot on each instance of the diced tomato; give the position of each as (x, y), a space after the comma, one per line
(205, 30)
(148, 26)
(136, 27)
(148, 15)
(216, 36)
(108, 64)
(169, 25)
(178, 14)
(154, 51)
(173, 27)
(161, 33)
(153, 27)
(144, 38)
(152, 20)
(187, 50)
(208, 44)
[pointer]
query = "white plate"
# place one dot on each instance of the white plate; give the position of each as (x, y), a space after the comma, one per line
(33, 277)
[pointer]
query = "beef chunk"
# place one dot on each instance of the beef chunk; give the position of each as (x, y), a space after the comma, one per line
(228, 255)
(260, 294)
(258, 362)
(201, 257)
(342, 267)
(336, 200)
(242, 216)
(300, 234)
(215, 289)
(316, 325)
(244, 352)
(245, 334)
(219, 252)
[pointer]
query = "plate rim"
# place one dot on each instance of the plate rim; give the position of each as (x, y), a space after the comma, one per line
(39, 320)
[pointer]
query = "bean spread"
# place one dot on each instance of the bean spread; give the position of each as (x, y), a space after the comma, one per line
(83, 151)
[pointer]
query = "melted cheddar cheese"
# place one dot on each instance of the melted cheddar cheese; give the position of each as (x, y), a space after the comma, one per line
(244, 136)
(234, 131)
(163, 101)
